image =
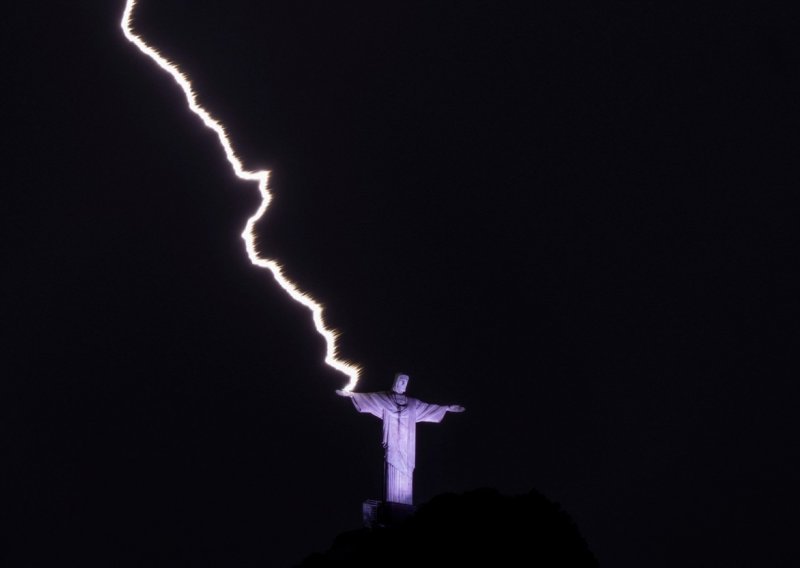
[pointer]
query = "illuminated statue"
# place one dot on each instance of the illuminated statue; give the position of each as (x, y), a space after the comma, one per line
(400, 414)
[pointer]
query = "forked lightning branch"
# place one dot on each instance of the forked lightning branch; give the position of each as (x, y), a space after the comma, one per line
(261, 179)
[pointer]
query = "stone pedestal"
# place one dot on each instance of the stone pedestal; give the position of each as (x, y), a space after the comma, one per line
(380, 514)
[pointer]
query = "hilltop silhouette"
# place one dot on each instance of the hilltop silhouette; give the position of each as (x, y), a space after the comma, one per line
(480, 526)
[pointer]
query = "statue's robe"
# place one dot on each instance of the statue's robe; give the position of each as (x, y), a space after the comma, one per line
(400, 414)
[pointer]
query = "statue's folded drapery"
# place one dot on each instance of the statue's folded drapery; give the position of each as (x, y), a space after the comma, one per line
(400, 414)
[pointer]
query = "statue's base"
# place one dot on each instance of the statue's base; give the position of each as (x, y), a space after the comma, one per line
(380, 514)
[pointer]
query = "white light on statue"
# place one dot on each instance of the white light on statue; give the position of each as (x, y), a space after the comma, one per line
(400, 414)
(261, 178)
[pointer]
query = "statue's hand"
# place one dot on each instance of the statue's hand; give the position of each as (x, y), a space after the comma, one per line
(455, 408)
(341, 392)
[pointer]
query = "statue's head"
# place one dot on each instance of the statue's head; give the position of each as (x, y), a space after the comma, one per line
(400, 383)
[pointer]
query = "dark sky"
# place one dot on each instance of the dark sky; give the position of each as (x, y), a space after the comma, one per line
(579, 220)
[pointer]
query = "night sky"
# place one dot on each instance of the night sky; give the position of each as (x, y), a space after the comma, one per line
(578, 220)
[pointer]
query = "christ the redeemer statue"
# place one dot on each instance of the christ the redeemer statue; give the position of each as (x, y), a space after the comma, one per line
(400, 414)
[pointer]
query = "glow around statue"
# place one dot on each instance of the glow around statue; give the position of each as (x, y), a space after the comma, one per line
(400, 414)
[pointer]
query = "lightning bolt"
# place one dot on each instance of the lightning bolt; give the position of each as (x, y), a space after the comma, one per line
(261, 177)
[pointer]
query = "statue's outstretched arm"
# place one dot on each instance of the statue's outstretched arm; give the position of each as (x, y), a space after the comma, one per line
(455, 408)
(341, 392)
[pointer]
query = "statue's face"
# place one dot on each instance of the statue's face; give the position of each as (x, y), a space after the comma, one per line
(400, 384)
